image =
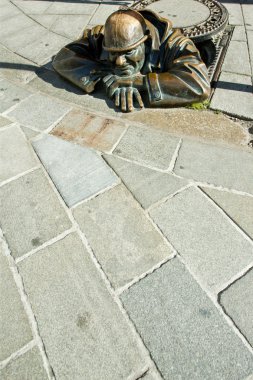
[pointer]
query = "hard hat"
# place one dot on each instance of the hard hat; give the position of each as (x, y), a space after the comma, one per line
(124, 30)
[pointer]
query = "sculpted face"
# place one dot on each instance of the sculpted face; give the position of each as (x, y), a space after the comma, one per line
(129, 62)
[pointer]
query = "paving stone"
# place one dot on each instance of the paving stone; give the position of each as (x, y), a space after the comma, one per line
(218, 165)
(30, 213)
(238, 207)
(94, 338)
(43, 112)
(14, 67)
(51, 83)
(186, 335)
(28, 35)
(85, 129)
(32, 7)
(210, 245)
(46, 20)
(70, 26)
(248, 17)
(8, 10)
(237, 63)
(44, 48)
(68, 8)
(26, 367)
(206, 124)
(4, 121)
(148, 186)
(15, 154)
(11, 94)
(239, 33)
(15, 331)
(78, 172)
(238, 303)
(235, 13)
(29, 133)
(14, 24)
(250, 43)
(151, 147)
(151, 375)
(234, 95)
(102, 13)
(125, 243)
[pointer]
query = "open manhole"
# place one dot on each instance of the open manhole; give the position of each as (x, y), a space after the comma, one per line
(204, 21)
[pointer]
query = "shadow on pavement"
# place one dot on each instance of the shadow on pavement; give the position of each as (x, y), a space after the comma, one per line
(235, 86)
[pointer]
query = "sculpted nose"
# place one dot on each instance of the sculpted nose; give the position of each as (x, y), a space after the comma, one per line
(121, 60)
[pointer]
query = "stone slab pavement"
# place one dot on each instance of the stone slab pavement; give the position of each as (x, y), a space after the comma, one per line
(126, 240)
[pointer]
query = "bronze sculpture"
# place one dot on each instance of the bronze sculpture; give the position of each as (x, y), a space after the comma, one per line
(134, 53)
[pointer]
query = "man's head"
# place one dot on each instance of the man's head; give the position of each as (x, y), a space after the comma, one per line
(124, 36)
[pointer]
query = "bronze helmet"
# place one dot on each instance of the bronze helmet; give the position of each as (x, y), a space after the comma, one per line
(124, 30)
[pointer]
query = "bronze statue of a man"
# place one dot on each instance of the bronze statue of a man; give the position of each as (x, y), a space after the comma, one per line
(136, 53)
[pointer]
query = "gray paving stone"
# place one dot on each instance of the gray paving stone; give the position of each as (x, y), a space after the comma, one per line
(70, 26)
(210, 245)
(14, 24)
(26, 367)
(43, 112)
(10, 94)
(151, 147)
(86, 8)
(42, 49)
(51, 83)
(30, 213)
(238, 303)
(29, 133)
(124, 241)
(78, 172)
(15, 154)
(237, 63)
(248, 15)
(238, 207)
(87, 337)
(8, 10)
(239, 33)
(250, 44)
(234, 95)
(14, 67)
(15, 331)
(28, 35)
(33, 7)
(4, 121)
(187, 336)
(235, 13)
(46, 20)
(218, 165)
(148, 186)
(151, 375)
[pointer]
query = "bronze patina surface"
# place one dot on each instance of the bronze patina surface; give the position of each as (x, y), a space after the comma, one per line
(136, 52)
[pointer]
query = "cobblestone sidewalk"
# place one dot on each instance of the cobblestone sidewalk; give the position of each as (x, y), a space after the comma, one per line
(126, 245)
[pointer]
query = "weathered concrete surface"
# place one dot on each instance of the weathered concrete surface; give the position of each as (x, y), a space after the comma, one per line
(125, 243)
(238, 303)
(26, 367)
(85, 129)
(78, 172)
(15, 330)
(185, 122)
(212, 248)
(199, 344)
(87, 337)
(30, 195)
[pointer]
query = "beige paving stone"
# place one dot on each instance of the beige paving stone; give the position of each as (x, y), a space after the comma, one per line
(248, 15)
(235, 13)
(124, 241)
(29, 133)
(239, 33)
(4, 121)
(8, 10)
(28, 366)
(185, 122)
(237, 207)
(15, 154)
(15, 330)
(250, 44)
(84, 332)
(237, 63)
(30, 213)
(85, 129)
